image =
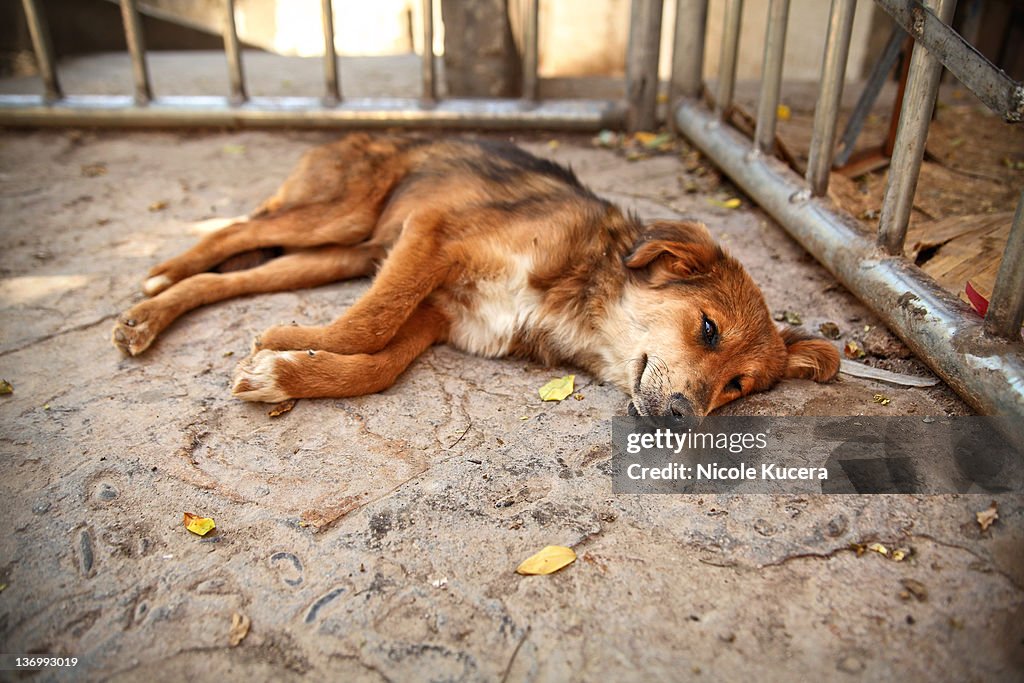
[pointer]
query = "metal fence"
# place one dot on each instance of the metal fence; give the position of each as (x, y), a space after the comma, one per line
(238, 109)
(982, 359)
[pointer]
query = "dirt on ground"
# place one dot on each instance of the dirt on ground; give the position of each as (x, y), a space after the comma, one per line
(377, 538)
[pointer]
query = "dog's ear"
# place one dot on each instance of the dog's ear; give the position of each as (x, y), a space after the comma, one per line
(810, 357)
(674, 250)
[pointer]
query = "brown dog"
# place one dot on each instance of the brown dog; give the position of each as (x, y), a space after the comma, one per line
(496, 252)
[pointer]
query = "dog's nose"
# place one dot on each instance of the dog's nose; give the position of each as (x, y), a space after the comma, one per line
(680, 406)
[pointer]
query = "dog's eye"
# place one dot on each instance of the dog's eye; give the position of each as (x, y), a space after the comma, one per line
(709, 332)
(735, 385)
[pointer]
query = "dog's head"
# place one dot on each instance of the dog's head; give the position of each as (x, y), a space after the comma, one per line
(705, 334)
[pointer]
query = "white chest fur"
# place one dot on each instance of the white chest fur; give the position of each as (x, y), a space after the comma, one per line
(495, 308)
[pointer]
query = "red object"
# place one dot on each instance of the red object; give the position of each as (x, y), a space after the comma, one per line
(979, 302)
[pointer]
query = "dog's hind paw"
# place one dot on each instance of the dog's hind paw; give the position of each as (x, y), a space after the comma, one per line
(257, 377)
(132, 334)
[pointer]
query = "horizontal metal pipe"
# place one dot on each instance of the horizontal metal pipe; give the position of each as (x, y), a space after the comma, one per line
(137, 50)
(310, 112)
(987, 372)
(1006, 308)
(236, 75)
(42, 45)
(911, 136)
(531, 50)
(999, 92)
(826, 111)
(688, 49)
(771, 76)
(729, 56)
(331, 79)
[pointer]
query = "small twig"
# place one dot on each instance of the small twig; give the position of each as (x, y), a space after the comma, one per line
(461, 436)
(515, 653)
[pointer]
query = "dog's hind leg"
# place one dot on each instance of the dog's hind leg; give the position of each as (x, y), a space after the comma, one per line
(342, 223)
(273, 376)
(137, 327)
(415, 267)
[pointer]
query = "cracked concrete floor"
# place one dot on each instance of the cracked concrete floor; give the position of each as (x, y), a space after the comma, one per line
(376, 538)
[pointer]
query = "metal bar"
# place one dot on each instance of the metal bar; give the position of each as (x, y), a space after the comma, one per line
(42, 45)
(310, 112)
(995, 89)
(429, 69)
(911, 135)
(1006, 308)
(688, 49)
(868, 97)
(729, 56)
(531, 39)
(826, 111)
(332, 82)
(236, 75)
(936, 325)
(642, 64)
(771, 76)
(137, 49)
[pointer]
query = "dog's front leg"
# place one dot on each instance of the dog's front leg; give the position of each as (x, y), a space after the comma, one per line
(273, 376)
(416, 266)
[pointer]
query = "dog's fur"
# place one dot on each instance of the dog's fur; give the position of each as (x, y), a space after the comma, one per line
(495, 252)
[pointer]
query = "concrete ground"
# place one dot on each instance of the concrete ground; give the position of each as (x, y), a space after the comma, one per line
(376, 538)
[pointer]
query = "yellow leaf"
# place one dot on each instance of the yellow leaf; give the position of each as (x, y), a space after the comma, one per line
(198, 525)
(731, 203)
(6, 387)
(879, 548)
(783, 112)
(547, 561)
(557, 389)
(644, 137)
(554, 144)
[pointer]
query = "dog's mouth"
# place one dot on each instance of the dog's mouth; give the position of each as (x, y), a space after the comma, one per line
(652, 399)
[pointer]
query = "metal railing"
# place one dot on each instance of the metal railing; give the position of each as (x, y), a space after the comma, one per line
(237, 108)
(982, 359)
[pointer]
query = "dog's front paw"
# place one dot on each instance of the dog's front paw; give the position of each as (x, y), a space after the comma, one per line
(135, 331)
(258, 377)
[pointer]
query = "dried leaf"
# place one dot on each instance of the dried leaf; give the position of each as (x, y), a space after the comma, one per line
(858, 548)
(659, 142)
(239, 629)
(234, 149)
(6, 387)
(852, 350)
(829, 330)
(94, 170)
(547, 561)
(554, 144)
(281, 408)
(915, 588)
(198, 525)
(900, 554)
(158, 205)
(988, 516)
(881, 398)
(793, 318)
(731, 203)
(578, 397)
(783, 112)
(644, 137)
(3, 587)
(878, 548)
(557, 389)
